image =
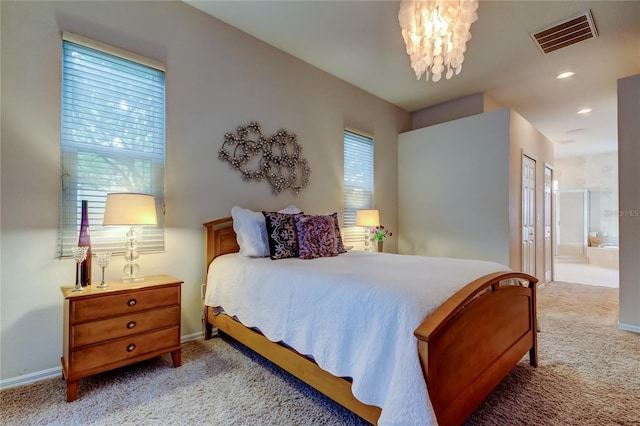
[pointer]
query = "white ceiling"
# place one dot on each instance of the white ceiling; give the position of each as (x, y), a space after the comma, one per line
(360, 42)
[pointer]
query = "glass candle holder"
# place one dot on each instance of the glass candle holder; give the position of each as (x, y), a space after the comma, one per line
(103, 261)
(79, 255)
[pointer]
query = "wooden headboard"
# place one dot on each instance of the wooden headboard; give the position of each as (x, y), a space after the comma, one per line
(221, 239)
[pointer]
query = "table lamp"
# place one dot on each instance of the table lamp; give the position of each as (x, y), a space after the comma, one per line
(130, 209)
(369, 219)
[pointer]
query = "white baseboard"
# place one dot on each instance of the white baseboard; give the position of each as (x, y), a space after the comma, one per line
(192, 336)
(628, 327)
(49, 373)
(28, 378)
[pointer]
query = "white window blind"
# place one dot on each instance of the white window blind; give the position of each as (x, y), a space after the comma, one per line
(113, 140)
(358, 182)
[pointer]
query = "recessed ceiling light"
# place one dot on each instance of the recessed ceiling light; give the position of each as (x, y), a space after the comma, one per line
(584, 111)
(564, 75)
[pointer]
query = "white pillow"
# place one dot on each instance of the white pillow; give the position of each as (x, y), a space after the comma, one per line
(290, 210)
(251, 230)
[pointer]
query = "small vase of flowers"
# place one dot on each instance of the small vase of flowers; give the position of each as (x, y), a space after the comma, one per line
(378, 234)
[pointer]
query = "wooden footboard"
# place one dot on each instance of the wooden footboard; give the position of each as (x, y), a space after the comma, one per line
(473, 340)
(466, 346)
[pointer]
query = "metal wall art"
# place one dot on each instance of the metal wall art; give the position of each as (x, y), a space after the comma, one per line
(275, 158)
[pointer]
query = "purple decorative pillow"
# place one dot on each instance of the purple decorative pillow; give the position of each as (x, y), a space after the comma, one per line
(281, 233)
(339, 243)
(316, 236)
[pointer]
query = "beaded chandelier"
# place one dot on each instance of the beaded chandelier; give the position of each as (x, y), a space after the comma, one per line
(436, 34)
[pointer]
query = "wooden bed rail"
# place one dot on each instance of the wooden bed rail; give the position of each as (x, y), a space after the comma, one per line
(336, 388)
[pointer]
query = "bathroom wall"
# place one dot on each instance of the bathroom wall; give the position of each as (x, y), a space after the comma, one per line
(599, 175)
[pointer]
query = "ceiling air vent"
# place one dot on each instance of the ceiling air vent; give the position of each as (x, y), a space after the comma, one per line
(565, 33)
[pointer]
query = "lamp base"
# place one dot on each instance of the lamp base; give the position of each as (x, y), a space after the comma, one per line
(367, 239)
(132, 279)
(131, 269)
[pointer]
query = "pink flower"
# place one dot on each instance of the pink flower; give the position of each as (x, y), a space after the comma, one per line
(380, 233)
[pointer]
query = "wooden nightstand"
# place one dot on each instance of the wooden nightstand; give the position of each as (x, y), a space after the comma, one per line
(106, 328)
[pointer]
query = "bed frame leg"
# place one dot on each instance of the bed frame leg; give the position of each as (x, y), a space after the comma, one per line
(208, 332)
(533, 357)
(533, 352)
(208, 327)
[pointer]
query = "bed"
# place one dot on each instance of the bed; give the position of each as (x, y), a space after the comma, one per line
(463, 348)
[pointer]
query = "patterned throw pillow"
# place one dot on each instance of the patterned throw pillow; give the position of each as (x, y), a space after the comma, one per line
(316, 236)
(282, 236)
(339, 243)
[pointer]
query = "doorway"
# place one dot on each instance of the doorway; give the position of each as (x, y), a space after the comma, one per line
(575, 259)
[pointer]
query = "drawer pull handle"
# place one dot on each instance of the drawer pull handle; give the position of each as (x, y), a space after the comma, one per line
(131, 324)
(131, 348)
(132, 302)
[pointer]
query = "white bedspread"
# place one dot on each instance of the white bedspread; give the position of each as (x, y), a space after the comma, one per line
(355, 314)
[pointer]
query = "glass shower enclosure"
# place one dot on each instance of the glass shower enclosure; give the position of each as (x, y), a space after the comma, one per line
(572, 222)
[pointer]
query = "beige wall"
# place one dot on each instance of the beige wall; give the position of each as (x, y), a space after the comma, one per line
(490, 104)
(217, 79)
(454, 109)
(449, 111)
(629, 196)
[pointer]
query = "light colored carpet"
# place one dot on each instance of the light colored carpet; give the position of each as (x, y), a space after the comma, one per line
(586, 273)
(589, 374)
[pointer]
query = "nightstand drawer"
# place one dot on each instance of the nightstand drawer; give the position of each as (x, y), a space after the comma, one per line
(91, 308)
(126, 325)
(97, 356)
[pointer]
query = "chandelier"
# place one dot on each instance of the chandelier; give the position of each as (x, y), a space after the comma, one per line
(436, 34)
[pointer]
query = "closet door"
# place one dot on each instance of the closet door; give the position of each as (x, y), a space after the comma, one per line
(528, 215)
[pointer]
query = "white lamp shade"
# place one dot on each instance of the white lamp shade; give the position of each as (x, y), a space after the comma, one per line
(367, 218)
(130, 209)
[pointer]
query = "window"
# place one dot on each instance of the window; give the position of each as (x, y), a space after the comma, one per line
(113, 139)
(358, 182)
